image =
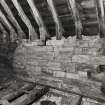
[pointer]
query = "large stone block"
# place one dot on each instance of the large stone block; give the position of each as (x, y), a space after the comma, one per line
(53, 64)
(55, 68)
(72, 76)
(86, 51)
(70, 42)
(85, 67)
(55, 42)
(82, 43)
(77, 51)
(42, 62)
(63, 58)
(68, 67)
(100, 60)
(81, 59)
(32, 62)
(59, 74)
(46, 71)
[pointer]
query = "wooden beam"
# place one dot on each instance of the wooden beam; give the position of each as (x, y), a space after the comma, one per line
(32, 32)
(21, 34)
(13, 34)
(39, 20)
(77, 20)
(100, 16)
(59, 28)
(2, 28)
(5, 33)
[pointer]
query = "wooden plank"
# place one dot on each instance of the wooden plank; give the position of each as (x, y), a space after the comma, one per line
(76, 17)
(100, 17)
(92, 94)
(13, 34)
(34, 95)
(59, 27)
(32, 32)
(21, 91)
(38, 18)
(21, 34)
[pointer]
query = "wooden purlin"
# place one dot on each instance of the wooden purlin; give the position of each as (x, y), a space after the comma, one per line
(25, 19)
(75, 13)
(21, 34)
(100, 16)
(42, 28)
(59, 27)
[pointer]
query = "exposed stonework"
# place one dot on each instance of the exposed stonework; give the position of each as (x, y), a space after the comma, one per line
(61, 61)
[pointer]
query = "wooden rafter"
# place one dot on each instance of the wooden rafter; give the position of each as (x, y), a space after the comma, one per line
(2, 28)
(100, 16)
(21, 34)
(77, 20)
(59, 28)
(25, 19)
(13, 34)
(39, 20)
(5, 33)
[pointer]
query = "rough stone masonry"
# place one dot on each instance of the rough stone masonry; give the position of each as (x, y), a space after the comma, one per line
(61, 62)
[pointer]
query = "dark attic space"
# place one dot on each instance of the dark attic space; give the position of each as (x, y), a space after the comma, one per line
(52, 52)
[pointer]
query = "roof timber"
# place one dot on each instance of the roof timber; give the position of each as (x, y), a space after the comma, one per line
(42, 28)
(13, 34)
(32, 32)
(76, 17)
(101, 16)
(12, 18)
(59, 27)
(5, 33)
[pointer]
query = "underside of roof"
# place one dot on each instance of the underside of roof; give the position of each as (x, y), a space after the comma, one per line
(53, 17)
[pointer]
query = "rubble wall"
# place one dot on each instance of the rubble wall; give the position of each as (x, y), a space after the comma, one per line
(67, 58)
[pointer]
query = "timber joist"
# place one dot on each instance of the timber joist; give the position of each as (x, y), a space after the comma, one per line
(42, 16)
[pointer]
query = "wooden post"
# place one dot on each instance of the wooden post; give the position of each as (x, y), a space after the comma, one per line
(77, 20)
(21, 34)
(59, 28)
(100, 16)
(25, 20)
(13, 34)
(42, 29)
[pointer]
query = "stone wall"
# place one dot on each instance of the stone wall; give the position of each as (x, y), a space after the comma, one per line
(61, 58)
(61, 62)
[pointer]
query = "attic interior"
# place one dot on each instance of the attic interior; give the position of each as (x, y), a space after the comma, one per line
(52, 52)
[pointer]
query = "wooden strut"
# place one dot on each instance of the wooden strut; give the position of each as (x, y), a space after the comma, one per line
(59, 27)
(42, 28)
(76, 17)
(21, 34)
(32, 32)
(13, 34)
(101, 16)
